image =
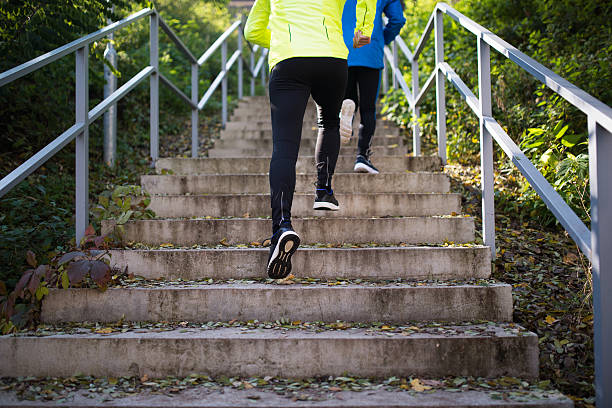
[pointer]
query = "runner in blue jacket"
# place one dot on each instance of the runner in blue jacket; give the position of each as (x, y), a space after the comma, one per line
(365, 66)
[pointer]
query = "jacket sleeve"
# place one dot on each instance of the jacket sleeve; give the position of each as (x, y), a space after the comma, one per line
(366, 12)
(256, 29)
(394, 12)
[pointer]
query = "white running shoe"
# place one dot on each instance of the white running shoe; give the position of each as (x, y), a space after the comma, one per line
(346, 120)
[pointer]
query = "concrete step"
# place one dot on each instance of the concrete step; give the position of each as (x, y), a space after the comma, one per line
(266, 124)
(309, 135)
(263, 111)
(390, 150)
(305, 164)
(260, 183)
(263, 142)
(412, 230)
(481, 351)
(407, 263)
(392, 303)
(231, 397)
(351, 205)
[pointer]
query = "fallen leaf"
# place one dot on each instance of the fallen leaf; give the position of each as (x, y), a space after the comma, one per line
(106, 330)
(144, 378)
(418, 386)
(550, 320)
(224, 242)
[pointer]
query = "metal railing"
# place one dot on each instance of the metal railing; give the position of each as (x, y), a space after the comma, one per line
(596, 244)
(84, 117)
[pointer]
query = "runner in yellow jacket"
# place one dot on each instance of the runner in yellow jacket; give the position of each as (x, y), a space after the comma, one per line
(307, 58)
(305, 28)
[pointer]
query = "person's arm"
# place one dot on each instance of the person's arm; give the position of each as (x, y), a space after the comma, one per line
(256, 29)
(366, 12)
(395, 14)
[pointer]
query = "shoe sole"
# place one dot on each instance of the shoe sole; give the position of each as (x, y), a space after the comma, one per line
(364, 168)
(279, 266)
(325, 206)
(346, 120)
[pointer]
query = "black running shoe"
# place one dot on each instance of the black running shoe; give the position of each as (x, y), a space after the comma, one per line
(325, 200)
(283, 244)
(364, 165)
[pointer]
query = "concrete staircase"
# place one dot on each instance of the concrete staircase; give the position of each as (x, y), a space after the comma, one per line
(398, 252)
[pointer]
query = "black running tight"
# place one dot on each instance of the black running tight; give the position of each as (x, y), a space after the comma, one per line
(292, 82)
(367, 80)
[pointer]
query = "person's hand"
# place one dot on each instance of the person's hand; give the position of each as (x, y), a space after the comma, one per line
(359, 40)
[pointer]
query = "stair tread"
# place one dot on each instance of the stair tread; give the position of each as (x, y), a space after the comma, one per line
(230, 397)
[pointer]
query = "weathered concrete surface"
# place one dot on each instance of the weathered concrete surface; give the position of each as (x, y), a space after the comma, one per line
(229, 397)
(262, 139)
(344, 150)
(260, 183)
(292, 354)
(305, 164)
(418, 263)
(410, 230)
(308, 124)
(351, 205)
(266, 302)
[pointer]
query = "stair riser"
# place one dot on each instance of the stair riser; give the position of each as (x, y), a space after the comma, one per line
(382, 137)
(244, 355)
(328, 230)
(255, 184)
(259, 124)
(397, 304)
(382, 263)
(351, 205)
(304, 165)
(344, 150)
(263, 141)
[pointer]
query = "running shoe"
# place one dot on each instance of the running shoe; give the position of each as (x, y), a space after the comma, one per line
(325, 200)
(364, 165)
(346, 120)
(283, 244)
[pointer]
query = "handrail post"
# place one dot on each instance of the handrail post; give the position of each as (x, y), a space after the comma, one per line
(82, 143)
(252, 66)
(224, 83)
(395, 64)
(385, 77)
(110, 117)
(486, 147)
(240, 80)
(440, 85)
(154, 84)
(600, 168)
(263, 74)
(195, 73)
(416, 130)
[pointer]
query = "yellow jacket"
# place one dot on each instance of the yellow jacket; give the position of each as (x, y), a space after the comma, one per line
(304, 28)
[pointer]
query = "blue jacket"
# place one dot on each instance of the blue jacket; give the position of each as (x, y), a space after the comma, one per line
(371, 55)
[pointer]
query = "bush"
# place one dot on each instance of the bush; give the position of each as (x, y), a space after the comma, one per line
(572, 37)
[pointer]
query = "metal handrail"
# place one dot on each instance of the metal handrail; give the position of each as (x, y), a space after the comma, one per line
(84, 116)
(45, 59)
(596, 243)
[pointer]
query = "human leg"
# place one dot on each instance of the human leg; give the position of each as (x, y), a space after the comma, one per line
(368, 80)
(328, 89)
(289, 94)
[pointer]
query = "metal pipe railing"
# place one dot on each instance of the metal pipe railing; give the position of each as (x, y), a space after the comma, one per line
(84, 117)
(596, 244)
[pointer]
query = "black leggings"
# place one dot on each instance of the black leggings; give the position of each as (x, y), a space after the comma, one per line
(292, 81)
(368, 80)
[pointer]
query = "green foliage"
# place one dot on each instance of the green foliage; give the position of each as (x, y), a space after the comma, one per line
(37, 108)
(89, 266)
(573, 38)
